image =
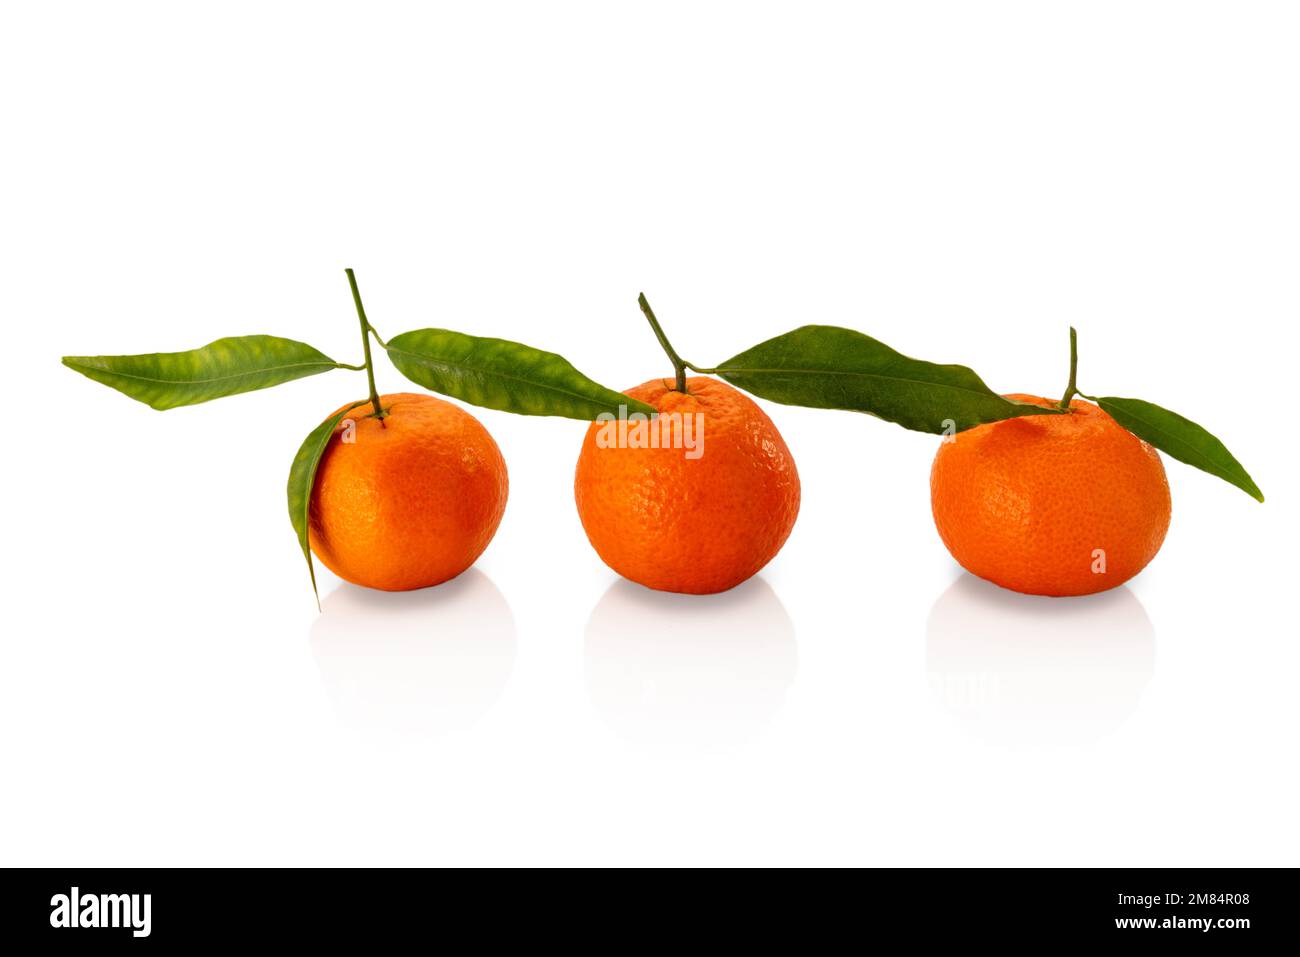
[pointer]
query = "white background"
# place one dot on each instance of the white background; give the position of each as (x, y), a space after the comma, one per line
(960, 180)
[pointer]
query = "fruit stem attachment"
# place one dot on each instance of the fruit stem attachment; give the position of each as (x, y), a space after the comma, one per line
(679, 366)
(366, 330)
(1072, 389)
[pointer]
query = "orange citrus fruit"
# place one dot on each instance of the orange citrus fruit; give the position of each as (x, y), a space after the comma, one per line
(669, 518)
(409, 500)
(1051, 504)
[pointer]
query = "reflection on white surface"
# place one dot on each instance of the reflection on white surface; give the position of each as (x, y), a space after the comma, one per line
(426, 661)
(1024, 669)
(689, 673)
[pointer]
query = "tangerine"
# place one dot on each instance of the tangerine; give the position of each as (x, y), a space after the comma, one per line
(676, 521)
(408, 500)
(1068, 504)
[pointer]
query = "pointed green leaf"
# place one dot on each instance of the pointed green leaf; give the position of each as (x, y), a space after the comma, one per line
(1182, 438)
(827, 367)
(302, 478)
(165, 380)
(504, 375)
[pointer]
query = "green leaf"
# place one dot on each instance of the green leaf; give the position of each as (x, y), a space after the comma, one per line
(165, 380)
(302, 478)
(504, 375)
(1182, 438)
(827, 367)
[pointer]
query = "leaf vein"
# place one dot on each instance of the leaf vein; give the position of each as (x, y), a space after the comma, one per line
(237, 375)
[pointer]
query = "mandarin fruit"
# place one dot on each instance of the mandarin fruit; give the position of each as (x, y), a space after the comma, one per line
(671, 519)
(409, 500)
(1067, 504)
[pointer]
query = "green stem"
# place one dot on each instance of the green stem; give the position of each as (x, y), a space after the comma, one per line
(679, 367)
(366, 331)
(1072, 389)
